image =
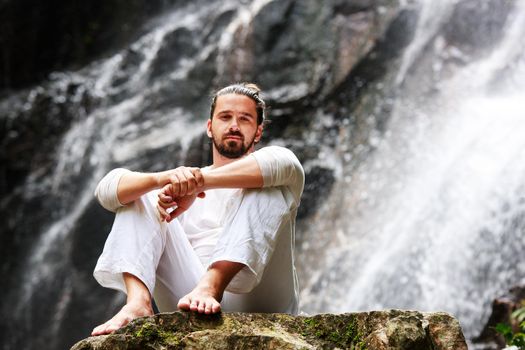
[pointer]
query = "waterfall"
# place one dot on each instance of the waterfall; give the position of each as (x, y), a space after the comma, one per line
(437, 213)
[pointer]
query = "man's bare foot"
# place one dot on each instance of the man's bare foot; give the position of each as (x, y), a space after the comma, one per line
(128, 313)
(206, 296)
(202, 299)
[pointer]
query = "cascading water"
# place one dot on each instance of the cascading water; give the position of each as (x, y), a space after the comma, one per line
(427, 210)
(436, 215)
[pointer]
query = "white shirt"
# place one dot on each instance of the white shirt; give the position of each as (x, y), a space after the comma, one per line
(204, 220)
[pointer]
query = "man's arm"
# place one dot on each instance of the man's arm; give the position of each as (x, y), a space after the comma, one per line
(269, 167)
(184, 180)
(132, 185)
(121, 186)
(244, 173)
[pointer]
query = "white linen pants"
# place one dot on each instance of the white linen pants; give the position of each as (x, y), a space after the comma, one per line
(258, 233)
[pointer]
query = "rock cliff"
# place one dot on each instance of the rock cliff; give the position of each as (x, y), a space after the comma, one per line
(378, 330)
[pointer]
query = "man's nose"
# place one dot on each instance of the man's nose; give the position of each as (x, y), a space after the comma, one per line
(233, 125)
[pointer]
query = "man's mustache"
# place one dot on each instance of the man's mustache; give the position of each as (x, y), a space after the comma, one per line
(234, 133)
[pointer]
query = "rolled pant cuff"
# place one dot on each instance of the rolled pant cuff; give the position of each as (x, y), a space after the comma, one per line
(109, 274)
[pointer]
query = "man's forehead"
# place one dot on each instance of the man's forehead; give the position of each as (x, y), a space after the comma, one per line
(235, 103)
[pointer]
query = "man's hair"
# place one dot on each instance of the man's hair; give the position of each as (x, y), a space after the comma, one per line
(247, 89)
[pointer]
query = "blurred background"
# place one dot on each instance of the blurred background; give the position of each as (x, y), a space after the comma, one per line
(407, 115)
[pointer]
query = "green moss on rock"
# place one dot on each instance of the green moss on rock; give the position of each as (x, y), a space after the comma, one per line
(376, 330)
(150, 333)
(344, 334)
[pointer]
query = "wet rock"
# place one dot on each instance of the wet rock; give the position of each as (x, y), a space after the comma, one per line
(477, 26)
(41, 36)
(393, 329)
(318, 180)
(502, 308)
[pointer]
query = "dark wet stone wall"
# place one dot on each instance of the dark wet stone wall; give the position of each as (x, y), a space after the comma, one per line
(38, 37)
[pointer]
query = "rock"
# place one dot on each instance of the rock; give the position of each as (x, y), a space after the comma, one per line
(502, 308)
(476, 27)
(392, 329)
(63, 34)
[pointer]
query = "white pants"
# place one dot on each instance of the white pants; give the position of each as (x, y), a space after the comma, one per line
(258, 233)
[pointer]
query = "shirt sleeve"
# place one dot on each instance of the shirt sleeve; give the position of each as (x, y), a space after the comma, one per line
(280, 167)
(106, 191)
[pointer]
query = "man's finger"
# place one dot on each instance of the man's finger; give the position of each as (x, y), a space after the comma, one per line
(175, 213)
(163, 213)
(198, 176)
(167, 190)
(165, 198)
(192, 182)
(183, 182)
(167, 205)
(175, 185)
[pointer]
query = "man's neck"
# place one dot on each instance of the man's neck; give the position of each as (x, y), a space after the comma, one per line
(220, 160)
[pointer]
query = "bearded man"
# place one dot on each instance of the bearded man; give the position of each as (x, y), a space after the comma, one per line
(210, 239)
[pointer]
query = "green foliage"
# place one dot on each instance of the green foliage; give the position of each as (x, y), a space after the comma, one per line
(511, 338)
(519, 315)
(347, 336)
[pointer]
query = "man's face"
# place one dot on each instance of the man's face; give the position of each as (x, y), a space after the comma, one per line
(233, 127)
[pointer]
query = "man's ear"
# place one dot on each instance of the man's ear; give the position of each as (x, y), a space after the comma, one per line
(208, 128)
(258, 133)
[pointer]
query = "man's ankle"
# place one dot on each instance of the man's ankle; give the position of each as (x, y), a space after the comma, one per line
(138, 308)
(218, 276)
(210, 288)
(137, 292)
(139, 303)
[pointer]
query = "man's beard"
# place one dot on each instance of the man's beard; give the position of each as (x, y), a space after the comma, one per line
(231, 149)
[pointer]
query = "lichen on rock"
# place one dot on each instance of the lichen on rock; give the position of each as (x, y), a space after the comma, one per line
(377, 330)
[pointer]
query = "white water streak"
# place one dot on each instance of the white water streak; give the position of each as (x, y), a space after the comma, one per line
(433, 15)
(239, 25)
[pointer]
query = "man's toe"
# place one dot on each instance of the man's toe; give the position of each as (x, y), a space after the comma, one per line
(216, 307)
(202, 307)
(98, 330)
(112, 328)
(184, 303)
(194, 306)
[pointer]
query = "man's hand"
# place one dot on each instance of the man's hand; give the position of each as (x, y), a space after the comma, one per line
(170, 207)
(184, 181)
(183, 185)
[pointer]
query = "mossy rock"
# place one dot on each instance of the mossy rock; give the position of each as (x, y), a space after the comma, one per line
(377, 330)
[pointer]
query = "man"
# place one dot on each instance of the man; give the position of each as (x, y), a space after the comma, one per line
(220, 237)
